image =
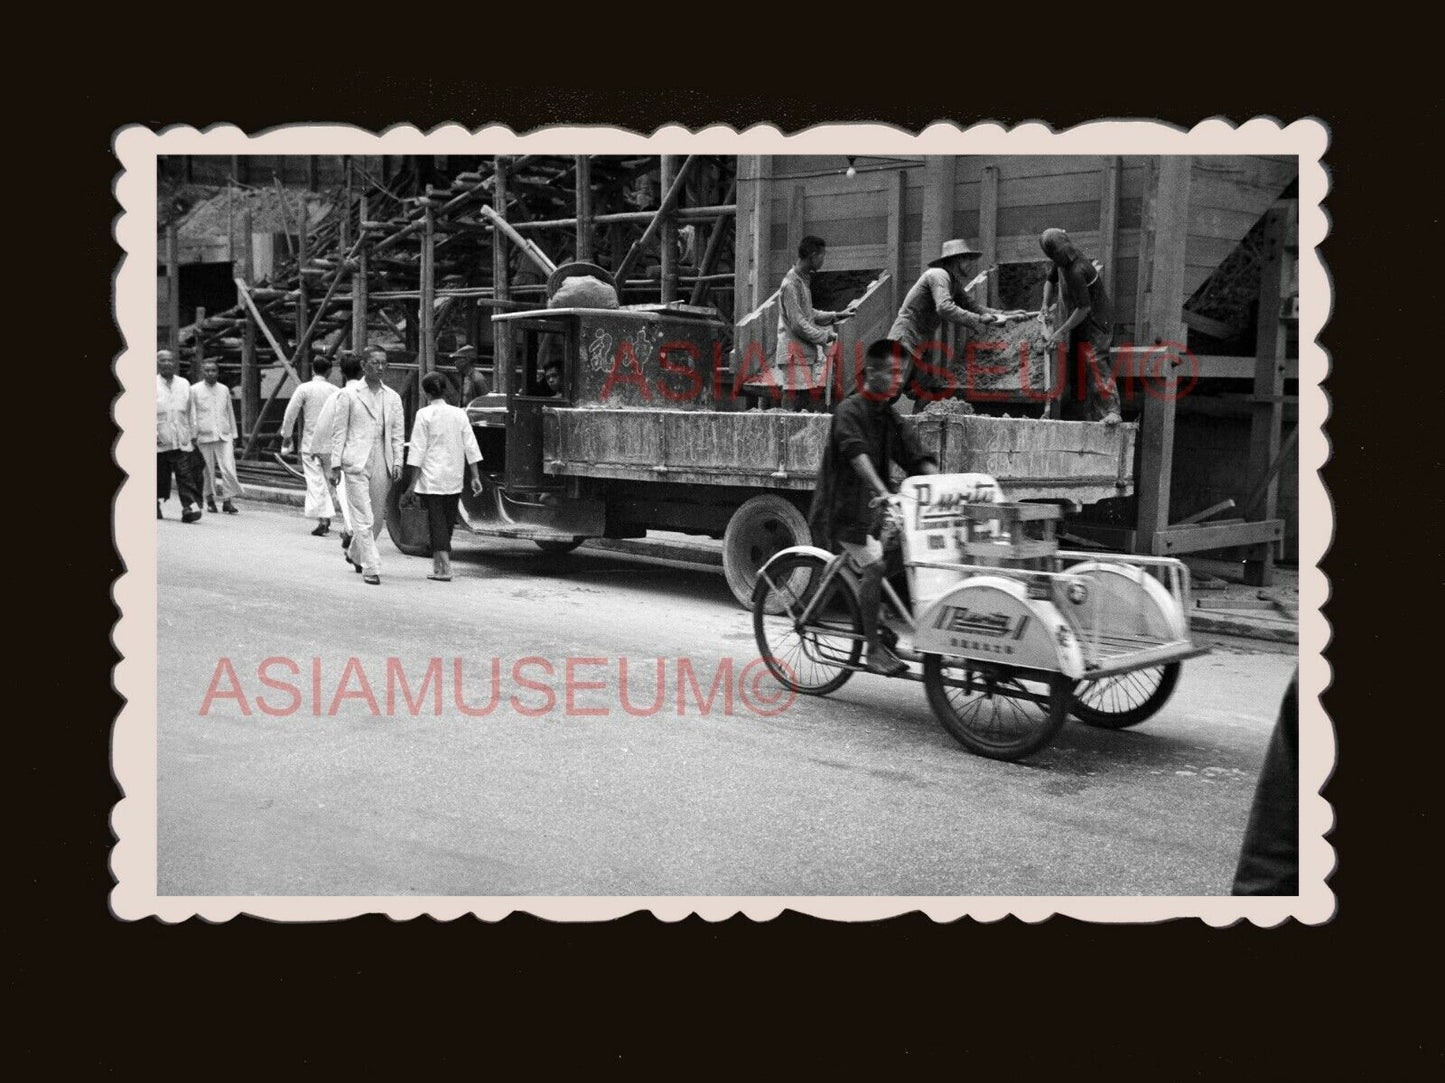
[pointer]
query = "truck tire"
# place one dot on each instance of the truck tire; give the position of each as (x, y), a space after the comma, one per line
(762, 526)
(407, 527)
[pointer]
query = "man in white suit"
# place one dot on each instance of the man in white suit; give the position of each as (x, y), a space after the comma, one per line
(215, 418)
(306, 404)
(326, 426)
(366, 450)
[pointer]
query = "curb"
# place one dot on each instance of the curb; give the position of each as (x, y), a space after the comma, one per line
(711, 557)
(1285, 633)
(271, 494)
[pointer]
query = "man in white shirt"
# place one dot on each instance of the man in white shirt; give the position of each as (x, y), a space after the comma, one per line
(321, 438)
(366, 449)
(442, 446)
(215, 437)
(175, 450)
(306, 404)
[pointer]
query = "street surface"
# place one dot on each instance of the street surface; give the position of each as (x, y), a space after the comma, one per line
(861, 793)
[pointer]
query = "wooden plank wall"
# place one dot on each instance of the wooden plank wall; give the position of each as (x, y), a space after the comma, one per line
(1031, 193)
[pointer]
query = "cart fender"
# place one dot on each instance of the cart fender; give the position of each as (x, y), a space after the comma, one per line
(810, 550)
(1127, 599)
(991, 618)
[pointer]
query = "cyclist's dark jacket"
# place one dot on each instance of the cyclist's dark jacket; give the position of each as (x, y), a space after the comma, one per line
(840, 511)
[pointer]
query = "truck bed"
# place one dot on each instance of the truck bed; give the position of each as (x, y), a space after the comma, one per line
(1083, 462)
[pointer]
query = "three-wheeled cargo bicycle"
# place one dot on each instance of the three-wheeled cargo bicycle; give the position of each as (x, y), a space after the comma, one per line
(1010, 633)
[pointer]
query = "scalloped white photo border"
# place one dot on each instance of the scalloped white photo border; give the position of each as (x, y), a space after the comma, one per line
(133, 818)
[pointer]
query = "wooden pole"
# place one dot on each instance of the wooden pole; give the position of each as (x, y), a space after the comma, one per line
(762, 223)
(501, 291)
(584, 207)
(742, 237)
(303, 351)
(714, 248)
(529, 248)
(426, 355)
(894, 247)
(988, 231)
(667, 177)
(1267, 410)
(250, 374)
(199, 347)
(940, 179)
(173, 289)
(346, 204)
(1109, 221)
(286, 226)
(796, 223)
(664, 212)
(1162, 321)
(359, 285)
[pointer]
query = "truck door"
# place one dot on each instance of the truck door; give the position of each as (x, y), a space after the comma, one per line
(537, 346)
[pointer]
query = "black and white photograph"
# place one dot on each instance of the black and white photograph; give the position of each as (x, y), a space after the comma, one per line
(854, 522)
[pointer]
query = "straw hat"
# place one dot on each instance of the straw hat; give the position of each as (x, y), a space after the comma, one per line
(952, 250)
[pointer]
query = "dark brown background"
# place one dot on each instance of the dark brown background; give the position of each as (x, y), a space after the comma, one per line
(1173, 1000)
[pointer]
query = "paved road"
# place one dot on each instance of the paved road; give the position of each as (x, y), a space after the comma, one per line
(861, 793)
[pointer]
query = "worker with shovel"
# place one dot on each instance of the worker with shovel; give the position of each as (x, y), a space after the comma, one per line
(939, 295)
(1086, 327)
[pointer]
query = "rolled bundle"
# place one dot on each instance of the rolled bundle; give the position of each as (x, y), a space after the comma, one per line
(581, 285)
(584, 292)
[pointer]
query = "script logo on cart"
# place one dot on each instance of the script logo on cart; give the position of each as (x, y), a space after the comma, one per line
(957, 618)
(945, 506)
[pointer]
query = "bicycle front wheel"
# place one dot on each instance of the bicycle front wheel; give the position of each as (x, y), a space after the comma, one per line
(809, 632)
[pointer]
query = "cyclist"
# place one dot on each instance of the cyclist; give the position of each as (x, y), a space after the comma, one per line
(865, 439)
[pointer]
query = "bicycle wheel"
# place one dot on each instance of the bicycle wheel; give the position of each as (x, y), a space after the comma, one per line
(995, 711)
(1125, 699)
(812, 657)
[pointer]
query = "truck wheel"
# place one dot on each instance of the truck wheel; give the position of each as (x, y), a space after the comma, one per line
(408, 527)
(552, 545)
(763, 526)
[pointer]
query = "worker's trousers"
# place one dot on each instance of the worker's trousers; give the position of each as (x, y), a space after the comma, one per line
(366, 496)
(318, 488)
(183, 464)
(219, 455)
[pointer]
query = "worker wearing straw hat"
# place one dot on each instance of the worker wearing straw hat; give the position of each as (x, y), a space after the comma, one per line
(939, 295)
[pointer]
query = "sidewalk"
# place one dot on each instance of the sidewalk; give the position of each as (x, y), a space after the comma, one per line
(1220, 607)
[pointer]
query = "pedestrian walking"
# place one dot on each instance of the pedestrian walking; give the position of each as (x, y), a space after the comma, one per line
(215, 417)
(366, 450)
(321, 441)
(442, 447)
(306, 406)
(175, 446)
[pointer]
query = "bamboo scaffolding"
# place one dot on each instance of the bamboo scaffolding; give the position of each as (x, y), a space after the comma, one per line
(669, 202)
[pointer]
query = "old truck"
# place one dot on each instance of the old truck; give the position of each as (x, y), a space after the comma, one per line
(651, 432)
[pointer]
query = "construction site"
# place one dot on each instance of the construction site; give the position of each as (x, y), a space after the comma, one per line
(267, 263)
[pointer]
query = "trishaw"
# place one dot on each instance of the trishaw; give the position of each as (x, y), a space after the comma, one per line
(1011, 633)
